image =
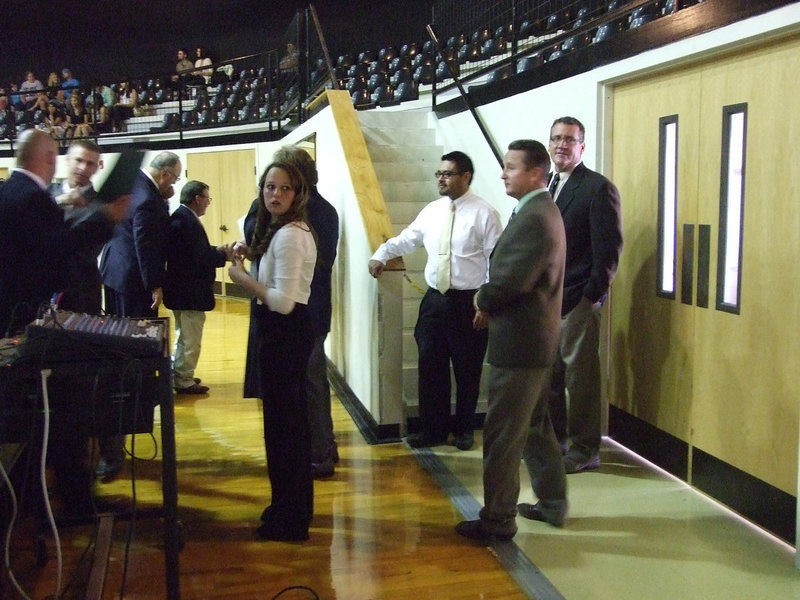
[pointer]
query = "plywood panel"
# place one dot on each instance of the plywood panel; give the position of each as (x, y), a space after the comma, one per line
(746, 407)
(722, 382)
(651, 336)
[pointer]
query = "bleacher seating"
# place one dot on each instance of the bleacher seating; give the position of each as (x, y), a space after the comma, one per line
(377, 78)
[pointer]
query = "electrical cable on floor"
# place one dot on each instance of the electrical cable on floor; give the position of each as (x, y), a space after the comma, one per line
(296, 587)
(43, 472)
(11, 522)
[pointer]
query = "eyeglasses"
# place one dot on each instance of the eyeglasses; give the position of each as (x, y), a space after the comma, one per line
(568, 139)
(174, 175)
(446, 174)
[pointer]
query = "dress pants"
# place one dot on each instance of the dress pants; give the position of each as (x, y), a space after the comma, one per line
(444, 334)
(517, 425)
(135, 305)
(283, 344)
(577, 371)
(188, 339)
(323, 442)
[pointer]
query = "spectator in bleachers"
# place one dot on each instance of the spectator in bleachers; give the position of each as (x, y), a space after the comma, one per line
(289, 61)
(28, 89)
(202, 60)
(61, 100)
(184, 64)
(69, 83)
(182, 69)
(14, 98)
(100, 117)
(40, 103)
(77, 118)
(55, 121)
(126, 102)
(53, 83)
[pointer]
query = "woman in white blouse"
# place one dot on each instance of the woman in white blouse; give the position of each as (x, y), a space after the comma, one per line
(284, 250)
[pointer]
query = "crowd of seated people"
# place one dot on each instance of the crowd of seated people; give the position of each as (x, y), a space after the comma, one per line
(220, 96)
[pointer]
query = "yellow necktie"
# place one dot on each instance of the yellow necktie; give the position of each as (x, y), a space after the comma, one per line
(443, 270)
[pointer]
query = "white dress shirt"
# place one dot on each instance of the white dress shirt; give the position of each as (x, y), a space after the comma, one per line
(287, 268)
(476, 227)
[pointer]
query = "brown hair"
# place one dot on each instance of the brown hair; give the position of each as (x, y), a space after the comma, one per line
(266, 225)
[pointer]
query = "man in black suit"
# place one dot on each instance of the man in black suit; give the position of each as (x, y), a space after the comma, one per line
(522, 300)
(132, 266)
(79, 200)
(590, 206)
(189, 282)
(133, 261)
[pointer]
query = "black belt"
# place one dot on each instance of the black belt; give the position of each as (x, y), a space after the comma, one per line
(452, 292)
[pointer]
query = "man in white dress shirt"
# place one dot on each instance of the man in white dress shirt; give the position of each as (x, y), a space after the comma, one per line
(458, 231)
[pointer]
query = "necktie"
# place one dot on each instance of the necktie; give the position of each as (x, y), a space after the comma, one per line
(554, 185)
(443, 269)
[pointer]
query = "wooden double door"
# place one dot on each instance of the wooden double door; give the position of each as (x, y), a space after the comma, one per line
(723, 381)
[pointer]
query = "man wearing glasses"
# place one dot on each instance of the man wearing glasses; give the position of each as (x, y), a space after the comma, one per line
(189, 285)
(459, 232)
(132, 266)
(590, 207)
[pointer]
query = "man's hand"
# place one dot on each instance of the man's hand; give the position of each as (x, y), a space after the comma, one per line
(71, 198)
(117, 209)
(158, 297)
(481, 320)
(376, 268)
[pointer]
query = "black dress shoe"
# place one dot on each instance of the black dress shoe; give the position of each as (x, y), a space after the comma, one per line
(465, 441)
(535, 513)
(322, 470)
(476, 530)
(269, 531)
(108, 469)
(422, 440)
(576, 464)
(194, 389)
(197, 380)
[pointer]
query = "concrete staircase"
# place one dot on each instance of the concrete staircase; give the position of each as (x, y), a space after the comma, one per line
(405, 155)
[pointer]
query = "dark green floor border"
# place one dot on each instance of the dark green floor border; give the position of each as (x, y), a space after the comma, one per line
(373, 432)
(528, 576)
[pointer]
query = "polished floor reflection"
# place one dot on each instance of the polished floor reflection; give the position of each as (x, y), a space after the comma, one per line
(383, 524)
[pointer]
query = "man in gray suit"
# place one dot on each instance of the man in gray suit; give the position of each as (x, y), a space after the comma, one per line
(523, 302)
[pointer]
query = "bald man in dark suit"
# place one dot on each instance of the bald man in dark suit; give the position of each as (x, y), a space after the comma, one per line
(523, 302)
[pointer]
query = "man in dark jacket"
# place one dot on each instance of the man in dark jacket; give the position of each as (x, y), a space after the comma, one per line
(189, 282)
(78, 199)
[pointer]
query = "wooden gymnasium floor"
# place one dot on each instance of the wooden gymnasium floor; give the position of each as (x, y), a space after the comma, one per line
(383, 525)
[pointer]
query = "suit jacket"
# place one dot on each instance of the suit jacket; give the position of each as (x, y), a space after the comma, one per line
(590, 206)
(84, 289)
(324, 221)
(191, 263)
(37, 245)
(523, 294)
(133, 261)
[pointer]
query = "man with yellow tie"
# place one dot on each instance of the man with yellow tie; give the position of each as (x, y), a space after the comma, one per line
(458, 231)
